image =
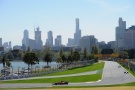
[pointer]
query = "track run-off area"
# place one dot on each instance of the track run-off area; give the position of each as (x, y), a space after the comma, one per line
(111, 75)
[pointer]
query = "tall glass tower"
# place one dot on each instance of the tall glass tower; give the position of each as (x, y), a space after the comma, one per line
(25, 40)
(77, 34)
(50, 38)
(120, 29)
(38, 40)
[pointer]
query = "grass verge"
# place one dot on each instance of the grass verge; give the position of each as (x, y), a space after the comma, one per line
(84, 78)
(96, 66)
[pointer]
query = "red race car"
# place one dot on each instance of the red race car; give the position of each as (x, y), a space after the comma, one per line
(61, 83)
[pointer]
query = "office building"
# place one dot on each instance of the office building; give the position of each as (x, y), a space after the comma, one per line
(25, 40)
(70, 42)
(119, 33)
(49, 40)
(17, 47)
(32, 44)
(10, 45)
(58, 40)
(6, 46)
(129, 38)
(112, 43)
(0, 42)
(77, 34)
(87, 42)
(38, 41)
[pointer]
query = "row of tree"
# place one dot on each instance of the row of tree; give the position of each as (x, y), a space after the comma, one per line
(48, 55)
(127, 54)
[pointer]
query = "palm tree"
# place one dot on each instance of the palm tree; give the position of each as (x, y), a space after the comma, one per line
(47, 58)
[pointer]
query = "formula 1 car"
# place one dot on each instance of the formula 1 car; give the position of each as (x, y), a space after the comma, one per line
(61, 83)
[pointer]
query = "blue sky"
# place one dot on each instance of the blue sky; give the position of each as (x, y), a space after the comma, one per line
(97, 17)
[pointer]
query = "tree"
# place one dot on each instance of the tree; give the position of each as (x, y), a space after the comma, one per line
(76, 56)
(47, 58)
(91, 56)
(107, 51)
(71, 52)
(85, 53)
(70, 56)
(96, 59)
(21, 54)
(94, 50)
(28, 49)
(59, 60)
(10, 55)
(64, 59)
(3, 60)
(131, 53)
(30, 58)
(61, 53)
(123, 55)
(8, 63)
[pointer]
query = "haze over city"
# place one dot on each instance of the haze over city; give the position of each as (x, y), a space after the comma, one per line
(97, 17)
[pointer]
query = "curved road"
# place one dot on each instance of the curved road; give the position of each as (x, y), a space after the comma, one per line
(111, 75)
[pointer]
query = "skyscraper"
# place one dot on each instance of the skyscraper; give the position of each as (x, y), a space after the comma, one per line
(129, 38)
(49, 40)
(87, 42)
(38, 40)
(25, 40)
(58, 41)
(6, 46)
(70, 42)
(119, 33)
(32, 44)
(10, 45)
(0, 42)
(77, 34)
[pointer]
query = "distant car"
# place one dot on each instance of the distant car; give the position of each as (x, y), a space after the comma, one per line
(61, 83)
(125, 72)
(119, 66)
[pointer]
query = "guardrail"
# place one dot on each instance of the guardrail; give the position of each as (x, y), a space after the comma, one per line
(64, 66)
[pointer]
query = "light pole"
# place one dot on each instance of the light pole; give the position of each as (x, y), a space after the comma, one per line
(42, 67)
(12, 71)
(38, 69)
(18, 70)
(35, 69)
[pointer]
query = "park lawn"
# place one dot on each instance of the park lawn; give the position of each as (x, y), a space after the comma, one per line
(73, 79)
(96, 66)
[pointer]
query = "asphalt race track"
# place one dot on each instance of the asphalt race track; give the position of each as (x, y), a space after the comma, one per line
(111, 75)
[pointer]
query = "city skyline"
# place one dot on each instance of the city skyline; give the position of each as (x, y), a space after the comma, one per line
(95, 16)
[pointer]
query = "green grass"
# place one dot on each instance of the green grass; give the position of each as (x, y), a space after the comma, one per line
(96, 66)
(128, 70)
(84, 78)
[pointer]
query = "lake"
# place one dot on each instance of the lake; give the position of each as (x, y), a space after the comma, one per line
(21, 64)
